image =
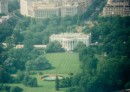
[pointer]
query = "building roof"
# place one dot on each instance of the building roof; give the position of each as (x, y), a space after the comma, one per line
(40, 46)
(44, 6)
(70, 35)
(36, 46)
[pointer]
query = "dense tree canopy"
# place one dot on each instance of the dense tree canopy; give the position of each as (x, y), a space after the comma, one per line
(40, 63)
(54, 47)
(105, 66)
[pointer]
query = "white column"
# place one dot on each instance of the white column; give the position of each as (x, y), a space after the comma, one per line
(63, 44)
(72, 45)
(67, 45)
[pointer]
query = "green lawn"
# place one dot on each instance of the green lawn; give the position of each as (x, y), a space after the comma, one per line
(63, 63)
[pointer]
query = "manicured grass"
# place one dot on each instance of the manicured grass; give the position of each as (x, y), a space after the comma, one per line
(63, 63)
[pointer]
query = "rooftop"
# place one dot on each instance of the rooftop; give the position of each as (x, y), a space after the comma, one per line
(70, 35)
(44, 6)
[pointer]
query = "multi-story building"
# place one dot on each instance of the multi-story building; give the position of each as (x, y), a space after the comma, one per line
(70, 40)
(24, 7)
(88, 2)
(117, 7)
(40, 10)
(25, 4)
(3, 6)
(72, 9)
(47, 8)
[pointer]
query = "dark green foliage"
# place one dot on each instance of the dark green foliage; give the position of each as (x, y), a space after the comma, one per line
(94, 9)
(4, 88)
(13, 5)
(2, 14)
(20, 75)
(16, 89)
(66, 82)
(57, 84)
(5, 30)
(127, 85)
(99, 76)
(39, 31)
(54, 47)
(4, 76)
(79, 47)
(40, 63)
(113, 33)
(2, 53)
(105, 66)
(17, 58)
(29, 81)
(18, 37)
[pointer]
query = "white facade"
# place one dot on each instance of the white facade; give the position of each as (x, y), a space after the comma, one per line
(3, 6)
(24, 7)
(70, 40)
(72, 9)
(43, 11)
(116, 8)
(47, 8)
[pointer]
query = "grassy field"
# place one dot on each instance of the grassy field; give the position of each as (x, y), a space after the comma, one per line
(63, 63)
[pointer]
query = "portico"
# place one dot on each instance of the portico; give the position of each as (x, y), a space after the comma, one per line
(70, 40)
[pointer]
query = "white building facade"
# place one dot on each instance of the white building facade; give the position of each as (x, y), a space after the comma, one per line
(4, 6)
(24, 7)
(113, 8)
(47, 8)
(70, 40)
(43, 11)
(72, 9)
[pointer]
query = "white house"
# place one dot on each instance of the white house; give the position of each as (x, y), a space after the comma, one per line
(70, 40)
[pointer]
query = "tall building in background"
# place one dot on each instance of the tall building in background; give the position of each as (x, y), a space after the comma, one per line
(24, 7)
(89, 2)
(71, 9)
(48, 8)
(3, 6)
(40, 10)
(117, 7)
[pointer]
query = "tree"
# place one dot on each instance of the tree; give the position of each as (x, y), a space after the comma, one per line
(18, 37)
(110, 72)
(16, 89)
(66, 82)
(57, 83)
(13, 5)
(4, 76)
(40, 63)
(28, 45)
(20, 75)
(30, 81)
(4, 88)
(54, 47)
(25, 80)
(79, 46)
(18, 58)
(5, 31)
